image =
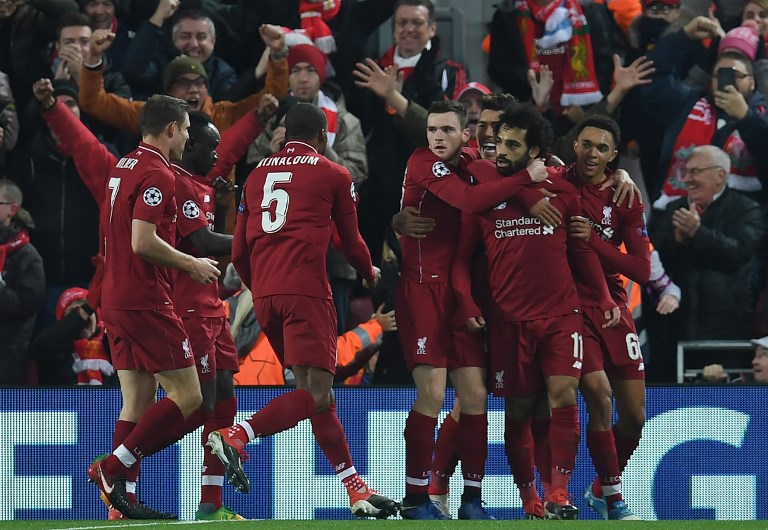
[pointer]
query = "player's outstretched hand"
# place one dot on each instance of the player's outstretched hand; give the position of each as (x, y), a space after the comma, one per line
(375, 281)
(612, 317)
(545, 212)
(204, 270)
(625, 188)
(579, 228)
(409, 223)
(537, 170)
(475, 324)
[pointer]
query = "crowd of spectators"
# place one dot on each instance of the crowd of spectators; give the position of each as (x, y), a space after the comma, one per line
(687, 83)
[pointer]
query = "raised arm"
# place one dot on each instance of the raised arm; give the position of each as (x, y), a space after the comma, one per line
(94, 99)
(92, 158)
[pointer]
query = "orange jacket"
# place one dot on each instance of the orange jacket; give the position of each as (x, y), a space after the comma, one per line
(126, 114)
(634, 291)
(261, 366)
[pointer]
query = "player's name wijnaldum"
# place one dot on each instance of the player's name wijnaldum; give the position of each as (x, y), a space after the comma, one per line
(289, 160)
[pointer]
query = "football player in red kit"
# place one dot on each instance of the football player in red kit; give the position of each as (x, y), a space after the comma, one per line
(534, 323)
(147, 339)
(437, 183)
(613, 364)
(285, 220)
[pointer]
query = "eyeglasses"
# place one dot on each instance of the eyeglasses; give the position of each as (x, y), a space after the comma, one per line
(662, 8)
(696, 171)
(183, 82)
(738, 75)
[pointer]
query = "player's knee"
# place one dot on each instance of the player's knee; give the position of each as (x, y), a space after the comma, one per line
(433, 395)
(474, 400)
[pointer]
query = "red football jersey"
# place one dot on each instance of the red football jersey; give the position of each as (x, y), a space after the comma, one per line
(613, 225)
(285, 220)
(440, 190)
(140, 186)
(529, 270)
(197, 209)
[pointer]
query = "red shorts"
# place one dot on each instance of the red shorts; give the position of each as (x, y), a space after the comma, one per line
(301, 329)
(468, 349)
(424, 312)
(213, 345)
(524, 353)
(615, 350)
(150, 340)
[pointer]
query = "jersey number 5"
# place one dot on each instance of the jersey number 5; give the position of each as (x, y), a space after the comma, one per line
(269, 224)
(114, 185)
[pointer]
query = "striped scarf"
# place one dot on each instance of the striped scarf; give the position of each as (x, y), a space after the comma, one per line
(565, 46)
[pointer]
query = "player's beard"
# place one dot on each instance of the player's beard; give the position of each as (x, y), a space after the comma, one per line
(513, 166)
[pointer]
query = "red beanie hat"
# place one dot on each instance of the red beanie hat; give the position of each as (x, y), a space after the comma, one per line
(307, 53)
(67, 297)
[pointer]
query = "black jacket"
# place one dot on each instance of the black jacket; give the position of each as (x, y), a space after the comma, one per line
(22, 287)
(389, 149)
(715, 268)
(66, 215)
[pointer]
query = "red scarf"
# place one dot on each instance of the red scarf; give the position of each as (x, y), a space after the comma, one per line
(313, 21)
(699, 129)
(571, 62)
(12, 245)
(388, 59)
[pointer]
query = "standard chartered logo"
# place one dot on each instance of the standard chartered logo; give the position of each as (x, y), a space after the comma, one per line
(521, 226)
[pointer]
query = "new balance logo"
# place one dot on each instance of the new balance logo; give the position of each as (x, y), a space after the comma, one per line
(501, 206)
(548, 230)
(421, 346)
(577, 365)
(641, 367)
(340, 466)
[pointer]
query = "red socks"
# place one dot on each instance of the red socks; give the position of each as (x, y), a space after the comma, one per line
(473, 452)
(212, 478)
(282, 413)
(161, 425)
(122, 430)
(330, 436)
(625, 447)
(602, 449)
(518, 444)
(419, 444)
(542, 452)
(564, 427)
(446, 456)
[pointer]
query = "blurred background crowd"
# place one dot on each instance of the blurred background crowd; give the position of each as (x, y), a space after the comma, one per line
(674, 74)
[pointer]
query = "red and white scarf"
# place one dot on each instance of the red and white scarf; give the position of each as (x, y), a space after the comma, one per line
(699, 129)
(331, 111)
(12, 245)
(565, 46)
(314, 16)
